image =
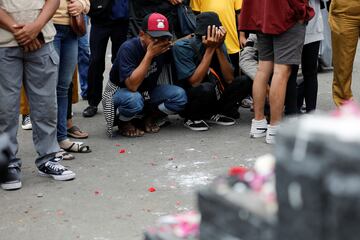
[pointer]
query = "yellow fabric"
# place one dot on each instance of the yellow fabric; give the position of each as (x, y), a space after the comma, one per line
(62, 16)
(226, 11)
(24, 103)
(344, 20)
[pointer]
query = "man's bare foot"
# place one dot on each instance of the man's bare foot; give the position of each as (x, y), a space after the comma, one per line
(150, 125)
(127, 129)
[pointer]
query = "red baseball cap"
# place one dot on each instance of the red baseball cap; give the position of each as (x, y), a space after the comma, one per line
(156, 25)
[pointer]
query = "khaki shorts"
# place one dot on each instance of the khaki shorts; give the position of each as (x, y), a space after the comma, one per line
(285, 48)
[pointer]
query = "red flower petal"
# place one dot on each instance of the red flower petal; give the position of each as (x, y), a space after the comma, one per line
(122, 151)
(237, 171)
(152, 189)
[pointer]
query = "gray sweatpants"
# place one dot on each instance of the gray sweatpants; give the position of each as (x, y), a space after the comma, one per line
(38, 72)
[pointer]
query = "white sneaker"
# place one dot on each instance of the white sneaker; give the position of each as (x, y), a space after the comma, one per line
(258, 128)
(26, 123)
(271, 134)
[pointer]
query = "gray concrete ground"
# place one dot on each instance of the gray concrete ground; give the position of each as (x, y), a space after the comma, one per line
(109, 198)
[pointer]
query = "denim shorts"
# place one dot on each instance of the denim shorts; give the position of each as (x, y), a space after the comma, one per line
(285, 48)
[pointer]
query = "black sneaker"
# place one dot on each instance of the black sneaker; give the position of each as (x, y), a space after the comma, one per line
(221, 120)
(54, 169)
(12, 178)
(199, 125)
(90, 111)
(26, 122)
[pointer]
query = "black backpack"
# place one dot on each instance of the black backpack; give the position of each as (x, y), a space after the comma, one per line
(100, 8)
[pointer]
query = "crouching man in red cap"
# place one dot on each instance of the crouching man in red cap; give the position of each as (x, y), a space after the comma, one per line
(133, 91)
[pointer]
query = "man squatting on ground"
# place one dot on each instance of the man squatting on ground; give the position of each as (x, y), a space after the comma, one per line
(135, 74)
(195, 59)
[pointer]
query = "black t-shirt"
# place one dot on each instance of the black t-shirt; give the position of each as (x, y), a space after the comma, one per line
(129, 57)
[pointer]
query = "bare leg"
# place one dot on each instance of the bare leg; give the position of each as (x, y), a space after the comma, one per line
(260, 87)
(277, 92)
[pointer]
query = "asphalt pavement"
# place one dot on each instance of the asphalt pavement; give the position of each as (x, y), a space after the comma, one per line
(110, 197)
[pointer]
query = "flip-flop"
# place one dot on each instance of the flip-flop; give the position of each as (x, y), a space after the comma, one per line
(73, 132)
(78, 147)
(65, 155)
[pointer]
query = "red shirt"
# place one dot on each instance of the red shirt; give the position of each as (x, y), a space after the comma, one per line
(273, 16)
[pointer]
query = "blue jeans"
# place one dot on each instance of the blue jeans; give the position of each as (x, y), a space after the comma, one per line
(84, 60)
(169, 99)
(66, 45)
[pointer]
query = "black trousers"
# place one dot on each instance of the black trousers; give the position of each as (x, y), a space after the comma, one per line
(235, 59)
(99, 37)
(203, 103)
(307, 90)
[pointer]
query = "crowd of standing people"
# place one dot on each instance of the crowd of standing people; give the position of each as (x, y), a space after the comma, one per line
(200, 59)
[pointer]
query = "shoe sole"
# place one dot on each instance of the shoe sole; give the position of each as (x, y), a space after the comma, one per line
(197, 129)
(11, 186)
(58, 177)
(26, 127)
(221, 123)
(257, 135)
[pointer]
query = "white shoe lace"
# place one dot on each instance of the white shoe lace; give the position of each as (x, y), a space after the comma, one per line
(55, 166)
(27, 120)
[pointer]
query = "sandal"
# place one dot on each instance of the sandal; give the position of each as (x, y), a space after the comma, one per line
(65, 155)
(78, 147)
(127, 129)
(75, 132)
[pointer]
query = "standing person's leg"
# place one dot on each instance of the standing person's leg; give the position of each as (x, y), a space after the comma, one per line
(118, 37)
(84, 61)
(259, 91)
(24, 103)
(345, 34)
(41, 76)
(99, 37)
(25, 111)
(277, 92)
(235, 59)
(291, 92)
(40, 80)
(66, 45)
(309, 64)
(73, 97)
(288, 48)
(261, 83)
(11, 74)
